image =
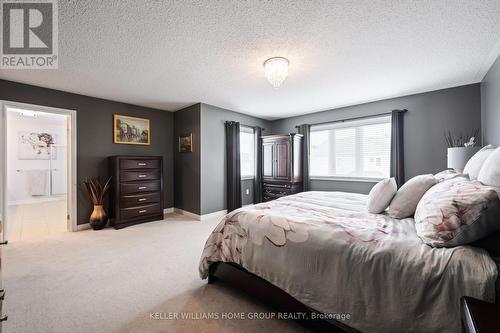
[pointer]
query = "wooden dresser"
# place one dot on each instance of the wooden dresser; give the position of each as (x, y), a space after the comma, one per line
(137, 190)
(282, 165)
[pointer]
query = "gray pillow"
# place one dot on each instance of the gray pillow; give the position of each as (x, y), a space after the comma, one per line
(406, 199)
(381, 195)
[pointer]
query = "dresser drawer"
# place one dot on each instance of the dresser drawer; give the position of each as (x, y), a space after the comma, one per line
(135, 212)
(130, 176)
(276, 191)
(139, 164)
(139, 199)
(140, 187)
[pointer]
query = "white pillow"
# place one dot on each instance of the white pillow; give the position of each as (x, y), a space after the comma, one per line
(381, 195)
(475, 163)
(490, 171)
(406, 200)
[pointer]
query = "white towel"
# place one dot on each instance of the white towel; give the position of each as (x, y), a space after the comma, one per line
(37, 182)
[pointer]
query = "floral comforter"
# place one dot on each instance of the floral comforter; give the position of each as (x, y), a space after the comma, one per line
(325, 250)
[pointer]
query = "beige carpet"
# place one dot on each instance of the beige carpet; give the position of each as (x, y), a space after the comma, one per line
(113, 280)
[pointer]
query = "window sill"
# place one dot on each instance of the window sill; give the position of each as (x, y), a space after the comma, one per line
(349, 179)
(247, 177)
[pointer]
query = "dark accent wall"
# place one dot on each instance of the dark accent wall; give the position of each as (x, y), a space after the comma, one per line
(95, 133)
(490, 105)
(213, 156)
(187, 166)
(200, 176)
(429, 115)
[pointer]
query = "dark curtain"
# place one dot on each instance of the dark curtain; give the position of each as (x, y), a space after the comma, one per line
(397, 147)
(233, 170)
(257, 183)
(305, 130)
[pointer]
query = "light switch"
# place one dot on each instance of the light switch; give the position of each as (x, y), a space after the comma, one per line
(247, 191)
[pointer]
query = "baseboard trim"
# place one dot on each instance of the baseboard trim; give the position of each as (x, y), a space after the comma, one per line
(197, 217)
(81, 227)
(201, 217)
(213, 215)
(186, 213)
(168, 210)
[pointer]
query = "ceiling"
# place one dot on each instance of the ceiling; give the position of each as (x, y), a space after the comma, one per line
(171, 54)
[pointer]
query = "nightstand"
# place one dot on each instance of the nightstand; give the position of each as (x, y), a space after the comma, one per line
(479, 316)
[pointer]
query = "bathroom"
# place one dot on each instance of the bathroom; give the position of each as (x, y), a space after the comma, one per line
(36, 173)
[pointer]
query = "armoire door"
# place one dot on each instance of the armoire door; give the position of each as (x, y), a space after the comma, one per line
(267, 160)
(282, 171)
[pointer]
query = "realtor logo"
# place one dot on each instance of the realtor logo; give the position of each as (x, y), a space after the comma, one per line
(29, 34)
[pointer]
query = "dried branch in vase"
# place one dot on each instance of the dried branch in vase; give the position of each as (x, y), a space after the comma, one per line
(462, 140)
(96, 190)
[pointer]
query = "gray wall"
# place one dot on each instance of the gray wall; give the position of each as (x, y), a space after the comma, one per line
(213, 156)
(187, 166)
(95, 133)
(429, 115)
(490, 105)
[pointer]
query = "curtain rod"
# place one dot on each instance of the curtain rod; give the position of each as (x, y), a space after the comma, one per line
(254, 127)
(355, 118)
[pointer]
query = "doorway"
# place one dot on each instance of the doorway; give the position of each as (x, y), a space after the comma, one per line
(38, 163)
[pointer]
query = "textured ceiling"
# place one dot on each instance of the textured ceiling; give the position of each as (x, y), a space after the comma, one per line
(170, 54)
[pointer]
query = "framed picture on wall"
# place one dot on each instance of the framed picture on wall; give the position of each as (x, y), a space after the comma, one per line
(186, 143)
(131, 130)
(36, 146)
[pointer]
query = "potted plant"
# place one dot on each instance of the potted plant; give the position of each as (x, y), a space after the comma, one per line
(460, 149)
(96, 192)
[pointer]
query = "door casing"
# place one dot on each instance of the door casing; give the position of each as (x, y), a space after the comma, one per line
(72, 166)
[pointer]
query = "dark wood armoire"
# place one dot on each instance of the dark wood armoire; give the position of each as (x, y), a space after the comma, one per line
(281, 165)
(136, 189)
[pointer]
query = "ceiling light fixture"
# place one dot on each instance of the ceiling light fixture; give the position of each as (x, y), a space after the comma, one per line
(276, 70)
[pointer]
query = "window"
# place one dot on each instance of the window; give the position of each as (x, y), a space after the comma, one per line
(247, 152)
(352, 149)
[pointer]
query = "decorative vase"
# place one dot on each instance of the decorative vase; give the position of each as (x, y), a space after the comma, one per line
(458, 157)
(99, 218)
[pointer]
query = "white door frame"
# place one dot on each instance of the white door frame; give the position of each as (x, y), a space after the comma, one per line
(71, 177)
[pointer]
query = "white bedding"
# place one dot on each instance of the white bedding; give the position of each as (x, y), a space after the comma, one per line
(325, 250)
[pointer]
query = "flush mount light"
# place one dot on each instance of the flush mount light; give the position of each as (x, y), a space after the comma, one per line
(276, 70)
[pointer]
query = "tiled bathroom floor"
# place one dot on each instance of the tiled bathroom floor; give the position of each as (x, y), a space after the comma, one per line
(31, 221)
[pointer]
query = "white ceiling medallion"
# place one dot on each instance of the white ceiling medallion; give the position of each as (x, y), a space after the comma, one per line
(276, 70)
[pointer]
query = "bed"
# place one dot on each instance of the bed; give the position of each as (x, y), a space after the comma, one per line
(324, 250)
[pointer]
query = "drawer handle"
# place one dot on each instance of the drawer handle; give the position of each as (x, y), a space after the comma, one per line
(143, 211)
(142, 199)
(4, 242)
(142, 187)
(141, 164)
(142, 176)
(4, 318)
(2, 294)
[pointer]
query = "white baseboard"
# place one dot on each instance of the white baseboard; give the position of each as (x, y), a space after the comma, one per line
(186, 213)
(197, 217)
(81, 227)
(213, 215)
(201, 217)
